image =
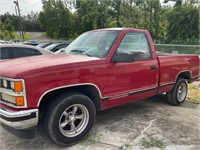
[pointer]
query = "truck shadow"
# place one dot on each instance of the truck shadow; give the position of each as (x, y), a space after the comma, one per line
(126, 121)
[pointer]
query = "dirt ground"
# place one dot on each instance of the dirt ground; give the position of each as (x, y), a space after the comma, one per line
(40, 36)
(147, 124)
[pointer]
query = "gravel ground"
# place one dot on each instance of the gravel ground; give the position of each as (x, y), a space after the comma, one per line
(147, 124)
(197, 84)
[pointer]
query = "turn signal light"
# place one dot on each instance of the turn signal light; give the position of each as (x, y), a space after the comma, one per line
(18, 86)
(19, 101)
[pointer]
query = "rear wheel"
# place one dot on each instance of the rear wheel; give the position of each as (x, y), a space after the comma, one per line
(69, 118)
(179, 93)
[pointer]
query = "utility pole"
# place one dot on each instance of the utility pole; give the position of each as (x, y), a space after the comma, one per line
(20, 18)
(18, 22)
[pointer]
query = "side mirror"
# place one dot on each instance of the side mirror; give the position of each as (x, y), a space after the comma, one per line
(123, 57)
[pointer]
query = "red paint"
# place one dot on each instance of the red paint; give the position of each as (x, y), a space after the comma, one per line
(120, 82)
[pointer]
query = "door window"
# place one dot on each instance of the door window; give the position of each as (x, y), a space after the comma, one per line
(136, 44)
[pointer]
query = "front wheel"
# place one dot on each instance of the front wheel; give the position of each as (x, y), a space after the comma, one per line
(69, 118)
(179, 93)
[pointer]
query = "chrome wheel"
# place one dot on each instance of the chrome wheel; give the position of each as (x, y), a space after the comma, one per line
(181, 92)
(74, 120)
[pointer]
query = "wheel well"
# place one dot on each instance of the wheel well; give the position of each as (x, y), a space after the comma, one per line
(185, 75)
(87, 90)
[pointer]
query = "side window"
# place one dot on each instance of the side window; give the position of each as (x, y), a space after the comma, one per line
(36, 52)
(24, 52)
(135, 43)
(4, 53)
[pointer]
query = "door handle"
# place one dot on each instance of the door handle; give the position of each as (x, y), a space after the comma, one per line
(153, 67)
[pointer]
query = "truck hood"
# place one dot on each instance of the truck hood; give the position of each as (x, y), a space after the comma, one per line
(21, 67)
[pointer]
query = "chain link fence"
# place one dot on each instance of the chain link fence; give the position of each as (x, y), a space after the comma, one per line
(178, 49)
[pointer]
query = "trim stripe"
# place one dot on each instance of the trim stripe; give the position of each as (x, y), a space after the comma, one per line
(105, 99)
(132, 93)
(141, 91)
(195, 77)
(167, 84)
(119, 96)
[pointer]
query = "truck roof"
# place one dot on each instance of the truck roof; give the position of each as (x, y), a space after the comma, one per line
(120, 29)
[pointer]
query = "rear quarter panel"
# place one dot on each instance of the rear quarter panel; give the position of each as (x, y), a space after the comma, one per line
(172, 65)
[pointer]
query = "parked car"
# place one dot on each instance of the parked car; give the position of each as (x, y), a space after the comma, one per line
(5, 42)
(11, 51)
(102, 69)
(44, 45)
(15, 41)
(32, 42)
(55, 47)
(60, 51)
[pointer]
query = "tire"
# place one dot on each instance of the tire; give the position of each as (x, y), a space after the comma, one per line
(179, 93)
(69, 118)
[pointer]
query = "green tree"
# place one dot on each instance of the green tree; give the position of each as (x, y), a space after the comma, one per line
(56, 19)
(92, 14)
(166, 24)
(183, 24)
(87, 13)
(31, 22)
(8, 26)
(7, 30)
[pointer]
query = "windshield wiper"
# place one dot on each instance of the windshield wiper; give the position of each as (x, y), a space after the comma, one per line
(88, 54)
(77, 51)
(81, 52)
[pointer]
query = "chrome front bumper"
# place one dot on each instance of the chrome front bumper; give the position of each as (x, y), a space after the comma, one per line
(19, 120)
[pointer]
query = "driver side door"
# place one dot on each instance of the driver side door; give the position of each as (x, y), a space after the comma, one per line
(138, 78)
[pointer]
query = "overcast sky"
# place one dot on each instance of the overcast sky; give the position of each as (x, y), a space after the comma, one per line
(26, 6)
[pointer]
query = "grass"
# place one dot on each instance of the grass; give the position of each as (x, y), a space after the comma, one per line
(27, 36)
(91, 137)
(193, 94)
(153, 143)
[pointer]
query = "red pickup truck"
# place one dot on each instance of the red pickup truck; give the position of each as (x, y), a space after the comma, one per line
(101, 69)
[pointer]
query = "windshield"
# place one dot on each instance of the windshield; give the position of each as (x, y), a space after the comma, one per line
(93, 43)
(40, 45)
(50, 47)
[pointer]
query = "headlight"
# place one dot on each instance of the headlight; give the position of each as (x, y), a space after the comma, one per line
(12, 92)
(12, 85)
(16, 86)
(16, 100)
(5, 83)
